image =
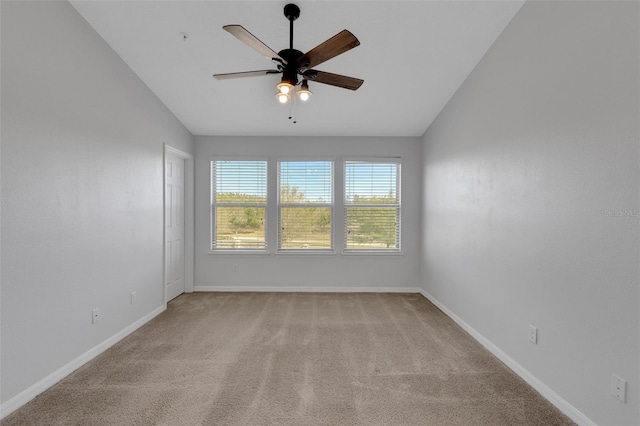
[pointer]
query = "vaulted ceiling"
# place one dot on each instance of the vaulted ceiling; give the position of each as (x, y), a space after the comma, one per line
(413, 57)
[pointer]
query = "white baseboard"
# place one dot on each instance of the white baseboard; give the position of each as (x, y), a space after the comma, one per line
(36, 389)
(563, 405)
(308, 289)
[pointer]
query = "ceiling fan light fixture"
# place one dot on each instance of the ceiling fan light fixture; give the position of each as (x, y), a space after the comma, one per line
(283, 98)
(284, 87)
(304, 93)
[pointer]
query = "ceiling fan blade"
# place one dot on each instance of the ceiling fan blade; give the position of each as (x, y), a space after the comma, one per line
(331, 48)
(335, 80)
(245, 74)
(239, 32)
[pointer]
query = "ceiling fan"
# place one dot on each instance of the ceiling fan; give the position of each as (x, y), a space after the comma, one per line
(292, 63)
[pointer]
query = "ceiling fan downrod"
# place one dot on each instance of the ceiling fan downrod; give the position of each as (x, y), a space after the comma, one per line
(290, 55)
(291, 12)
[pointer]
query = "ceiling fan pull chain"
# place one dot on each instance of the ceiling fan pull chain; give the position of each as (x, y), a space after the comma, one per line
(293, 109)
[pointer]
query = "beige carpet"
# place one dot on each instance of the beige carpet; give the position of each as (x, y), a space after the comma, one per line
(293, 359)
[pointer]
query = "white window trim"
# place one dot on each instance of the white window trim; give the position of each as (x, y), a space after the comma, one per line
(381, 251)
(338, 205)
(298, 251)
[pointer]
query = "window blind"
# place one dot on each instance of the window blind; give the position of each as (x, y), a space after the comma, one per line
(305, 205)
(238, 204)
(372, 206)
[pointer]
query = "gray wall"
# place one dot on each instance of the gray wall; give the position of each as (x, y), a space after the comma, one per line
(82, 209)
(307, 271)
(531, 200)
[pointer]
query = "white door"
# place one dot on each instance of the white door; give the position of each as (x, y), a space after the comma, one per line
(174, 226)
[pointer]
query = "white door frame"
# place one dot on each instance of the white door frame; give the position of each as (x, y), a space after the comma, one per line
(189, 232)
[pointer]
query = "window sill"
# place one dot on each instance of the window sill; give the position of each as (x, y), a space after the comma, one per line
(305, 252)
(371, 253)
(239, 252)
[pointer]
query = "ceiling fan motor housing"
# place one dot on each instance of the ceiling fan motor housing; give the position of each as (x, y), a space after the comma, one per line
(290, 71)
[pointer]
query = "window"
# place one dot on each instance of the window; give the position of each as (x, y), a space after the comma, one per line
(238, 204)
(372, 206)
(302, 206)
(305, 205)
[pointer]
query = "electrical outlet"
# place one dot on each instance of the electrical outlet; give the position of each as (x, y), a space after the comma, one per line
(134, 296)
(619, 388)
(95, 316)
(533, 334)
(235, 267)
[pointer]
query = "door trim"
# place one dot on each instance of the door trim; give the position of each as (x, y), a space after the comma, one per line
(189, 232)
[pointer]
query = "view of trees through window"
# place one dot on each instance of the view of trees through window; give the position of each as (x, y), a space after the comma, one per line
(301, 225)
(240, 227)
(371, 227)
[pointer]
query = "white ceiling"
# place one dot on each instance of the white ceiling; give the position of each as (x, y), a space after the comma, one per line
(413, 57)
